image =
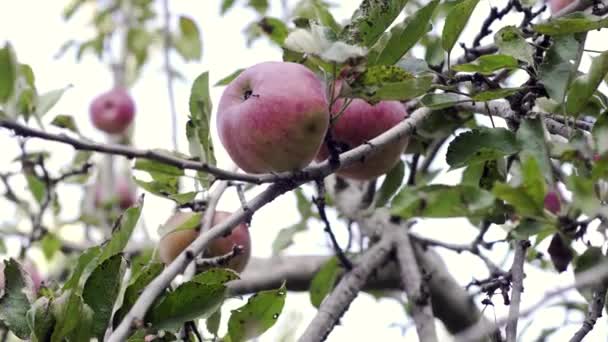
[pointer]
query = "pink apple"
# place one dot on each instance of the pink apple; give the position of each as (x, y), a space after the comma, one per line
(174, 242)
(124, 193)
(360, 123)
(224, 245)
(552, 202)
(273, 117)
(558, 5)
(113, 111)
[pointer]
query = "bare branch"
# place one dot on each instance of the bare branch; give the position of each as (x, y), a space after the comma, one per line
(517, 276)
(334, 306)
(595, 311)
(416, 288)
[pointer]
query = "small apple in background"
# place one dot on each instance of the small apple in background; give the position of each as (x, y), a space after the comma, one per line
(173, 243)
(112, 111)
(552, 202)
(124, 193)
(558, 5)
(273, 117)
(362, 122)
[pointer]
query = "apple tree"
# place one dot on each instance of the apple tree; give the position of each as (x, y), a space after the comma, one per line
(356, 125)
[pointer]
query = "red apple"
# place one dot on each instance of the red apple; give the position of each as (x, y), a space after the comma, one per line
(362, 122)
(113, 111)
(273, 117)
(224, 245)
(558, 5)
(124, 193)
(173, 243)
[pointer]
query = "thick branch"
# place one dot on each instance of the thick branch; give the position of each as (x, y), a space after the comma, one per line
(517, 276)
(334, 306)
(595, 311)
(416, 288)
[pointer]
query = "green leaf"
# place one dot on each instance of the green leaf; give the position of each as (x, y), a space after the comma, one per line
(191, 220)
(40, 320)
(572, 23)
(189, 301)
(480, 145)
(15, 303)
(226, 80)
(258, 315)
(73, 318)
(198, 128)
(37, 186)
(188, 43)
(583, 87)
(529, 227)
(213, 322)
(392, 183)
(531, 137)
(122, 231)
(527, 198)
(381, 82)
(184, 198)
(50, 245)
(600, 134)
(86, 263)
(274, 28)
(216, 276)
(557, 71)
(442, 201)
(324, 281)
(285, 236)
(261, 6)
(533, 180)
(494, 94)
(510, 41)
(226, 5)
(370, 20)
(101, 290)
(403, 37)
(155, 167)
(584, 196)
(48, 100)
(141, 280)
(487, 64)
(441, 100)
(164, 188)
(8, 72)
(455, 23)
(323, 15)
(65, 121)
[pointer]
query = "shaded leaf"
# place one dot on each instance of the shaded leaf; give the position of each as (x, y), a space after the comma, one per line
(510, 41)
(285, 237)
(583, 87)
(141, 280)
(40, 320)
(72, 316)
(487, 64)
(560, 252)
(323, 281)
(392, 183)
(122, 231)
(480, 145)
(15, 303)
(531, 137)
(494, 94)
(258, 315)
(441, 100)
(370, 20)
(557, 71)
(455, 23)
(572, 23)
(216, 276)
(48, 100)
(65, 121)
(274, 28)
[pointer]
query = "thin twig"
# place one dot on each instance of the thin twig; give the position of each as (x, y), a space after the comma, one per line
(517, 278)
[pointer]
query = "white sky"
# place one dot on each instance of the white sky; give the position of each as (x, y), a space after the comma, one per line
(36, 30)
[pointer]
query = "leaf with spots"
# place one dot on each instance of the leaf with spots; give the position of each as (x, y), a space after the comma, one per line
(141, 280)
(510, 41)
(324, 281)
(259, 314)
(384, 82)
(370, 20)
(480, 145)
(191, 300)
(15, 300)
(101, 290)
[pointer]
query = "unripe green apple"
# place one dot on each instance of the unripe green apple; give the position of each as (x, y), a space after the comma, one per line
(173, 243)
(361, 122)
(112, 111)
(273, 117)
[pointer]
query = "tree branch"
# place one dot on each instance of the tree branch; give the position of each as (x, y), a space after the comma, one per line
(334, 306)
(415, 287)
(517, 276)
(595, 311)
